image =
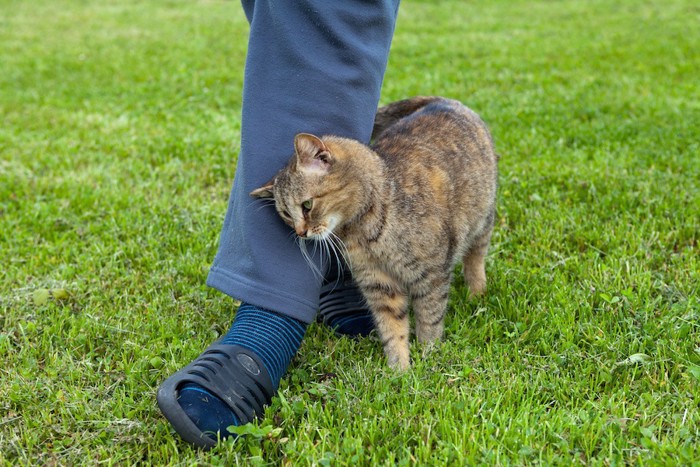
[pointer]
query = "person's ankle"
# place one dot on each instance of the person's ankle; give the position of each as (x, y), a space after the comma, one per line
(342, 306)
(272, 337)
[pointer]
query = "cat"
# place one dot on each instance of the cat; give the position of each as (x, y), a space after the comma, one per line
(407, 209)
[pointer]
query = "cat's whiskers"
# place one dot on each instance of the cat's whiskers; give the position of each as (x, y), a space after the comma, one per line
(329, 246)
(339, 247)
(262, 203)
(332, 251)
(307, 257)
(327, 251)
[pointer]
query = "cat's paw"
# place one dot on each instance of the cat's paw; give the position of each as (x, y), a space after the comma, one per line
(477, 288)
(399, 362)
(400, 366)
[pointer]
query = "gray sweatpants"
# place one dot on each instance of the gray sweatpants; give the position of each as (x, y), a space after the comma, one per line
(313, 66)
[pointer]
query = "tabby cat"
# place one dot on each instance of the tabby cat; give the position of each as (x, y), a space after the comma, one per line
(406, 209)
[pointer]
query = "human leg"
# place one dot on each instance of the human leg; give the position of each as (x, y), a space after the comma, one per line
(312, 66)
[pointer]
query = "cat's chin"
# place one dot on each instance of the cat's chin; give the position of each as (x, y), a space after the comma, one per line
(327, 231)
(321, 236)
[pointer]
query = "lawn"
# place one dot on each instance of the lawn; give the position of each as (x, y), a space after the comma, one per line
(119, 131)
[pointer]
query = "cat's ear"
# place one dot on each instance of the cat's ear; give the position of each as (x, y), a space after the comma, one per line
(265, 191)
(312, 154)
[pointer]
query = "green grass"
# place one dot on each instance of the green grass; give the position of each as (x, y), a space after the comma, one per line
(119, 129)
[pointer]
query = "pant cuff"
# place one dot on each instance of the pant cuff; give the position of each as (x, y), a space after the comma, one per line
(241, 289)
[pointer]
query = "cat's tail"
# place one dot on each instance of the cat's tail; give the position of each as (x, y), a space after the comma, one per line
(392, 113)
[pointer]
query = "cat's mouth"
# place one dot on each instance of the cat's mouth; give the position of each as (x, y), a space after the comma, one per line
(321, 232)
(331, 246)
(318, 233)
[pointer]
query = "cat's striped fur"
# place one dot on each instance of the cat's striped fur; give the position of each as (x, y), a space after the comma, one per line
(407, 209)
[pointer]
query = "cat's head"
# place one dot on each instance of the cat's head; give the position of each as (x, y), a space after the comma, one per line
(314, 193)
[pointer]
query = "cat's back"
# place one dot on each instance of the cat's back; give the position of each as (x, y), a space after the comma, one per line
(440, 163)
(438, 152)
(433, 131)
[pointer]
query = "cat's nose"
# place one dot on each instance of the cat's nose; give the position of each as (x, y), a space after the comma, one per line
(302, 232)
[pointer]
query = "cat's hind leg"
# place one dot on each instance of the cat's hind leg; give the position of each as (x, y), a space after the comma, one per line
(474, 264)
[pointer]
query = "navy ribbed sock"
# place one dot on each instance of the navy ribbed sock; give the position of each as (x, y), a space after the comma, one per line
(273, 337)
(342, 306)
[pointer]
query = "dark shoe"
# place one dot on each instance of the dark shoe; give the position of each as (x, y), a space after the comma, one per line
(230, 372)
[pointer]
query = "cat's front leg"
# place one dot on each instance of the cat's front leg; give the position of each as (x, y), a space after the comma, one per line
(389, 306)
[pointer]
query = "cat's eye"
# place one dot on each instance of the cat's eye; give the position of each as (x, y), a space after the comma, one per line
(307, 205)
(286, 214)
